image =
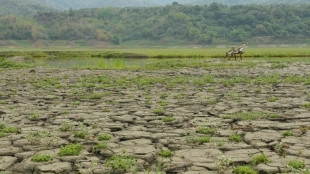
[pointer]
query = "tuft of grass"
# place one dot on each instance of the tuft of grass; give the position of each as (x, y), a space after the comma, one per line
(278, 66)
(304, 129)
(258, 90)
(235, 138)
(168, 119)
(41, 158)
(3, 102)
(262, 158)
(163, 103)
(71, 149)
(273, 99)
(64, 112)
(2, 135)
(307, 105)
(106, 110)
(34, 116)
(205, 130)
(165, 153)
(164, 95)
(2, 125)
(79, 134)
(244, 170)
(220, 143)
(288, 133)
(75, 103)
(227, 117)
(12, 65)
(159, 111)
(121, 163)
(201, 140)
(66, 125)
(100, 146)
(296, 164)
(96, 96)
(9, 130)
(104, 137)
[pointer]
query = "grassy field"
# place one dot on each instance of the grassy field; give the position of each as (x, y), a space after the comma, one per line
(157, 53)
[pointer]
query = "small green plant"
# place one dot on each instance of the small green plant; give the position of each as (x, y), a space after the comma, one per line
(168, 119)
(148, 97)
(34, 116)
(262, 158)
(41, 158)
(201, 140)
(278, 66)
(64, 112)
(159, 111)
(207, 101)
(121, 163)
(235, 138)
(165, 153)
(2, 125)
(106, 110)
(104, 137)
(206, 130)
(212, 89)
(163, 103)
(179, 96)
(75, 103)
(307, 105)
(227, 117)
(2, 102)
(234, 95)
(100, 146)
(288, 133)
(79, 134)
(244, 170)
(274, 115)
(272, 99)
(9, 130)
(280, 148)
(66, 126)
(2, 135)
(304, 129)
(220, 143)
(164, 95)
(294, 164)
(223, 162)
(258, 90)
(40, 137)
(71, 149)
(83, 131)
(96, 96)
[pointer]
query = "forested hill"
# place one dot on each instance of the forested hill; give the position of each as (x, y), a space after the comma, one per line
(214, 23)
(29, 7)
(245, 2)
(22, 8)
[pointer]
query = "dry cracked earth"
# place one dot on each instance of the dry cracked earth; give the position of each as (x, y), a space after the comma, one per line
(188, 120)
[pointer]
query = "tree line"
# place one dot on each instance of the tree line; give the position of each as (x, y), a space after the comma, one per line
(207, 24)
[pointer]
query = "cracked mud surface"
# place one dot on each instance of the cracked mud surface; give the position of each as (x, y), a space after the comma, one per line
(131, 107)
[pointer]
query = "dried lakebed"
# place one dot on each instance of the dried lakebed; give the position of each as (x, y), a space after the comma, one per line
(189, 120)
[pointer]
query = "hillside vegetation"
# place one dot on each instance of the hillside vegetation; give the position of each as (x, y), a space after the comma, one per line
(21, 8)
(243, 2)
(193, 24)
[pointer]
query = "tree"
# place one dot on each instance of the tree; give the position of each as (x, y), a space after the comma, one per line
(238, 35)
